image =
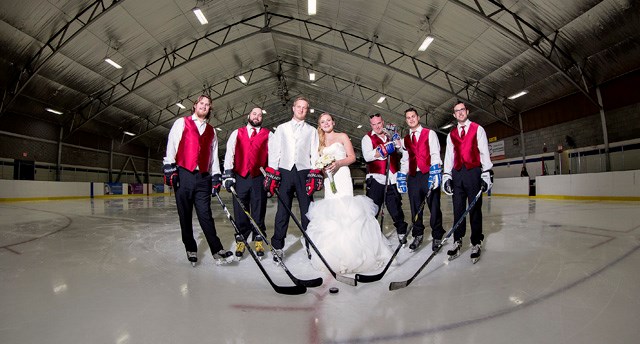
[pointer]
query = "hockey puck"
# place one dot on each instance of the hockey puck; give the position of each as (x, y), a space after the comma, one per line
(334, 290)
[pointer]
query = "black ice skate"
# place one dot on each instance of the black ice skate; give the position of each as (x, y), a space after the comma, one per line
(417, 241)
(476, 250)
(436, 244)
(455, 251)
(278, 256)
(221, 256)
(402, 238)
(193, 257)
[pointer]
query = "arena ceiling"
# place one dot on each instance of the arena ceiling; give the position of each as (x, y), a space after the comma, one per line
(359, 50)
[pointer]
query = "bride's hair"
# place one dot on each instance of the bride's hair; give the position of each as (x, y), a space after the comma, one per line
(321, 133)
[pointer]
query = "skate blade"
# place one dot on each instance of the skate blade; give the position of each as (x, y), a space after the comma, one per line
(475, 260)
(193, 264)
(454, 257)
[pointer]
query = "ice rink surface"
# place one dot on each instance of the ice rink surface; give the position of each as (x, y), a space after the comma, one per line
(115, 271)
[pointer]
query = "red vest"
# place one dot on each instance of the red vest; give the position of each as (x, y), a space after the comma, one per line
(379, 166)
(466, 151)
(250, 153)
(194, 150)
(420, 155)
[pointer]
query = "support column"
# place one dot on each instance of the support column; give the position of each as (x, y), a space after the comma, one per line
(605, 136)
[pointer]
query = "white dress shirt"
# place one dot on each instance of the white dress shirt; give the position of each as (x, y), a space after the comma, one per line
(294, 143)
(483, 147)
(175, 135)
(434, 150)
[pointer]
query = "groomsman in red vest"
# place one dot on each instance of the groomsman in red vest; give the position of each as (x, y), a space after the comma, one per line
(377, 148)
(191, 167)
(247, 151)
(421, 162)
(467, 169)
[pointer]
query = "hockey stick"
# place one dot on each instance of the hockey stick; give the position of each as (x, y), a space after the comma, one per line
(305, 283)
(398, 285)
(288, 290)
(377, 277)
(339, 278)
(384, 196)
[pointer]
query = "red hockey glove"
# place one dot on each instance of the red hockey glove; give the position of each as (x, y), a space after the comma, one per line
(271, 181)
(315, 181)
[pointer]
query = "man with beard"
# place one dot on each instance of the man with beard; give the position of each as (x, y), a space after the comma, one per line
(247, 152)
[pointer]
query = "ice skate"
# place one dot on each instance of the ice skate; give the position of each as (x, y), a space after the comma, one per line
(455, 251)
(221, 256)
(417, 241)
(402, 238)
(476, 250)
(240, 247)
(436, 244)
(193, 257)
(278, 256)
(259, 247)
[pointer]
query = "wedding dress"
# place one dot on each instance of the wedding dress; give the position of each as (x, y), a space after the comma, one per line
(344, 227)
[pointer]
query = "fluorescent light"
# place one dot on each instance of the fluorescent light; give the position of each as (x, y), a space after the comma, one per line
(54, 111)
(264, 112)
(111, 62)
(448, 126)
(242, 79)
(426, 43)
(180, 106)
(359, 126)
(203, 20)
(312, 110)
(312, 76)
(311, 7)
(129, 133)
(381, 99)
(218, 129)
(519, 94)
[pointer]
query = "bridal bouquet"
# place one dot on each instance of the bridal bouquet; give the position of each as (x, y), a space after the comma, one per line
(324, 161)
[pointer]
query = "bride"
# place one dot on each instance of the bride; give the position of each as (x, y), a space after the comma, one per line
(342, 226)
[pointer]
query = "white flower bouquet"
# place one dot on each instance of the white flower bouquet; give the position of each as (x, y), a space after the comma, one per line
(324, 161)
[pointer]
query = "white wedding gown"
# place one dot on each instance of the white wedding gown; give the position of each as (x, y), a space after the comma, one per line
(344, 227)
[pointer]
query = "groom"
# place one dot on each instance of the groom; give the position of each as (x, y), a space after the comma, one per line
(293, 151)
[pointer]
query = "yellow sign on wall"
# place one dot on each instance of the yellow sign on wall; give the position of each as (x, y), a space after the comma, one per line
(493, 139)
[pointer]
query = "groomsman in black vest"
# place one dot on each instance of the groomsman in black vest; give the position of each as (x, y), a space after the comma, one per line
(467, 170)
(421, 162)
(191, 167)
(247, 152)
(377, 148)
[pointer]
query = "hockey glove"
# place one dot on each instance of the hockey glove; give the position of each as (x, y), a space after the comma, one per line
(216, 183)
(228, 179)
(446, 182)
(315, 180)
(487, 180)
(435, 176)
(385, 149)
(170, 174)
(401, 182)
(271, 181)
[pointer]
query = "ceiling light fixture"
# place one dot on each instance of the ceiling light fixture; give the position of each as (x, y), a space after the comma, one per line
(519, 94)
(312, 110)
(381, 99)
(311, 7)
(264, 112)
(242, 79)
(359, 126)
(426, 43)
(129, 133)
(181, 106)
(54, 111)
(448, 126)
(201, 18)
(312, 76)
(218, 129)
(113, 63)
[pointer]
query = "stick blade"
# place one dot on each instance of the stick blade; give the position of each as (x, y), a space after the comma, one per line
(369, 278)
(290, 290)
(398, 285)
(346, 280)
(312, 283)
